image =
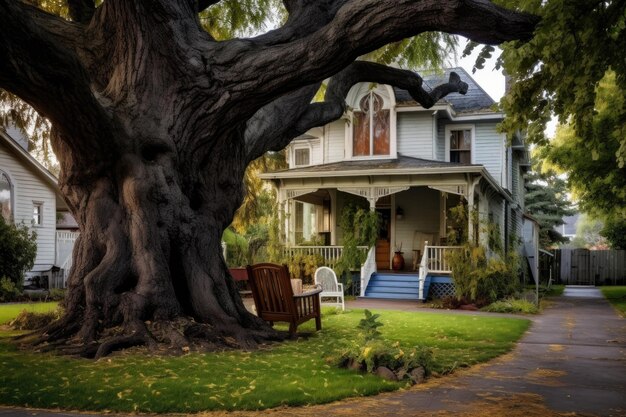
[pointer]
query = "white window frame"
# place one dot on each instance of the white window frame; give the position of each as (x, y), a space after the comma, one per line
(449, 129)
(354, 97)
(40, 205)
(11, 195)
(292, 155)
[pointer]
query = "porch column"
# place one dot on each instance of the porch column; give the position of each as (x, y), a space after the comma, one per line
(470, 207)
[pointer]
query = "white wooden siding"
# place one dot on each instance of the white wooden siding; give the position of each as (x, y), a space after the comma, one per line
(336, 141)
(489, 148)
(440, 151)
(415, 134)
(29, 188)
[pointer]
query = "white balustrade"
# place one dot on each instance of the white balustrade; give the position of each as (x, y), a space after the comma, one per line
(331, 254)
(367, 269)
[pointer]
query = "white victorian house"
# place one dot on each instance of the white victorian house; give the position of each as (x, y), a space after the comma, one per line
(29, 195)
(411, 165)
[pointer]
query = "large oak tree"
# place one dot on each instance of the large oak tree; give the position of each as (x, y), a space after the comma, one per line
(154, 122)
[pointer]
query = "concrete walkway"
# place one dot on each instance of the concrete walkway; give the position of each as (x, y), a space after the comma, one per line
(572, 362)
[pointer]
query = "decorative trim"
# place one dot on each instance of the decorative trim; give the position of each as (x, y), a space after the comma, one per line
(291, 194)
(451, 189)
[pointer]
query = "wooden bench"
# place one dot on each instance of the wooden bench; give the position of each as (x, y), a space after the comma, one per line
(275, 300)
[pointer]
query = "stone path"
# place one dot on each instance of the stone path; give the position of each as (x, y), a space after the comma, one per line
(572, 362)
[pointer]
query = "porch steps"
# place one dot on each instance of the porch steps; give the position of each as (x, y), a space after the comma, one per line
(401, 286)
(393, 286)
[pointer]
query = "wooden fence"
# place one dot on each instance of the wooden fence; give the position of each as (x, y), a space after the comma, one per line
(590, 267)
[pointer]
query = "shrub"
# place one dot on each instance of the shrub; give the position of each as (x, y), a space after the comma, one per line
(303, 266)
(28, 320)
(481, 280)
(8, 290)
(370, 351)
(56, 294)
(512, 305)
(360, 228)
(236, 248)
(18, 247)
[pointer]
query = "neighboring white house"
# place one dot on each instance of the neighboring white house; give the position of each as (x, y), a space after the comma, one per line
(29, 195)
(410, 164)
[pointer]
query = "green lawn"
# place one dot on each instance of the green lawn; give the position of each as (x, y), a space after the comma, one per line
(290, 373)
(9, 311)
(616, 296)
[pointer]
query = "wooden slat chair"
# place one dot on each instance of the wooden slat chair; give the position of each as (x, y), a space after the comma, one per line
(327, 279)
(274, 298)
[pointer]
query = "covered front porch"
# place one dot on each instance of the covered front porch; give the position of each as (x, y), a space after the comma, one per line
(414, 199)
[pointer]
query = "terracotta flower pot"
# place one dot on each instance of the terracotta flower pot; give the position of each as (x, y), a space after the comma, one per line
(398, 262)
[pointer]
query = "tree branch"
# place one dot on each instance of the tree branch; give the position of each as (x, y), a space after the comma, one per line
(81, 11)
(276, 124)
(358, 27)
(39, 63)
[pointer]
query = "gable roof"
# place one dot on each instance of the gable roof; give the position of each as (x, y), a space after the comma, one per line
(31, 163)
(475, 100)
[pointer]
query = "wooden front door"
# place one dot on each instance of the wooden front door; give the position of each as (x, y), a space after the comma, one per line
(383, 245)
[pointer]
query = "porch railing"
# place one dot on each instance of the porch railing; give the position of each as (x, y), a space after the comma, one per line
(64, 249)
(331, 254)
(367, 269)
(434, 260)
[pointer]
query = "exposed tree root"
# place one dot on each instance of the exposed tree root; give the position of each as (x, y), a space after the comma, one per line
(172, 337)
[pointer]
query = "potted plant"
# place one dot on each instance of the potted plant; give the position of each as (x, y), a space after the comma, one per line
(398, 259)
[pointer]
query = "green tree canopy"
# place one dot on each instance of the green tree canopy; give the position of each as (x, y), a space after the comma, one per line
(546, 200)
(559, 71)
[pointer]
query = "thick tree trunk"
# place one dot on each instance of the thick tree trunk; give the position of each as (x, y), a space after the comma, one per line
(149, 257)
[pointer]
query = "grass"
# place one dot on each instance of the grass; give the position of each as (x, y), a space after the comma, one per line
(291, 373)
(9, 311)
(617, 297)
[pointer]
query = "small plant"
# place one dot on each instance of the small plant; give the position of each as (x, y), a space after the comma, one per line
(399, 248)
(371, 353)
(369, 326)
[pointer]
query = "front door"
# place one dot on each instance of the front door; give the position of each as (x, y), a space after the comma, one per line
(383, 244)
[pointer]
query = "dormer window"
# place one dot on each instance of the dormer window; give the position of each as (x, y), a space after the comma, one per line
(371, 134)
(302, 157)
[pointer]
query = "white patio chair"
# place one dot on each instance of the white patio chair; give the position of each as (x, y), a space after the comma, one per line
(327, 279)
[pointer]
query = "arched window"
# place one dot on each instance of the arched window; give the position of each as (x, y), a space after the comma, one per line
(371, 135)
(6, 197)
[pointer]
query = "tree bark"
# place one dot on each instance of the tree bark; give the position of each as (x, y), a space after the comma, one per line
(154, 123)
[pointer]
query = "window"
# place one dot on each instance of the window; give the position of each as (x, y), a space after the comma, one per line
(302, 157)
(37, 214)
(459, 144)
(6, 198)
(371, 134)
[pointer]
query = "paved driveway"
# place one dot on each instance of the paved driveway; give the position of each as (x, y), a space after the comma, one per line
(572, 362)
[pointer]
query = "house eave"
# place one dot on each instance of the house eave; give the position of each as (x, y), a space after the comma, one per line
(379, 172)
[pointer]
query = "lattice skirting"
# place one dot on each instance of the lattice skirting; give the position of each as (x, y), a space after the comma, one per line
(441, 290)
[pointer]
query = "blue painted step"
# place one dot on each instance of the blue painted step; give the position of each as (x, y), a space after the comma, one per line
(401, 286)
(393, 286)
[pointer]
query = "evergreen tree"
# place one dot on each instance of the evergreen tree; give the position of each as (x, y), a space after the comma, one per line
(546, 200)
